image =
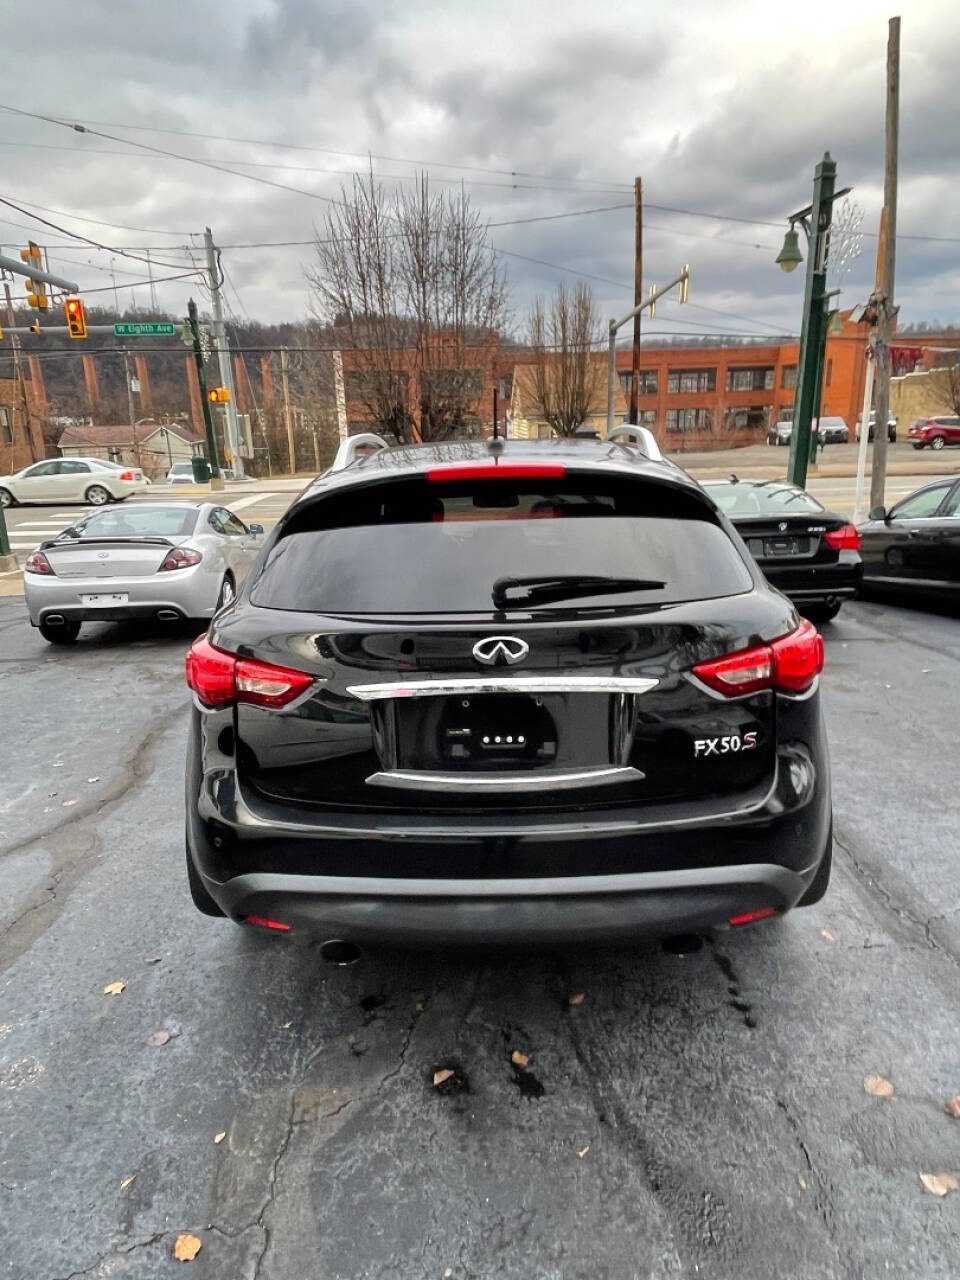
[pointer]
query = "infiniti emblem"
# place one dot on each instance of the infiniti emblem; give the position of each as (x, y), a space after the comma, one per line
(500, 651)
(782, 526)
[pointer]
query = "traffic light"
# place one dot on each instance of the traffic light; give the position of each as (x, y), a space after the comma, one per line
(218, 395)
(76, 315)
(36, 289)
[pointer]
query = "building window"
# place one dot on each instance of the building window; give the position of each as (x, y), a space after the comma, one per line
(506, 386)
(648, 418)
(689, 420)
(646, 383)
(788, 378)
(740, 419)
(757, 379)
(688, 381)
(6, 425)
(829, 372)
(626, 382)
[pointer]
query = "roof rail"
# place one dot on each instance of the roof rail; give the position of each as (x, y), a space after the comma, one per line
(350, 448)
(641, 438)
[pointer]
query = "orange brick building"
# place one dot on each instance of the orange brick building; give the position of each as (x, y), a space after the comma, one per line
(17, 447)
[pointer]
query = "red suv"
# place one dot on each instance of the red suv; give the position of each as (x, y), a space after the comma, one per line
(935, 432)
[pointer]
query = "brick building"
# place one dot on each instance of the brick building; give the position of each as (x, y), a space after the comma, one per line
(21, 442)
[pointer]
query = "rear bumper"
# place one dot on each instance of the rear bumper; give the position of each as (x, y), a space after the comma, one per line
(811, 582)
(587, 909)
(191, 596)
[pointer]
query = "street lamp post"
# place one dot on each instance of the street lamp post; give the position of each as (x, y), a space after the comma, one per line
(815, 221)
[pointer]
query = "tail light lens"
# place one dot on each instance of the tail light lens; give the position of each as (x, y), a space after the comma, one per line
(220, 679)
(843, 539)
(181, 558)
(788, 665)
(127, 475)
(38, 563)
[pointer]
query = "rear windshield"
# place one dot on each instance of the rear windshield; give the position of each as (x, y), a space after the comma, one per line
(138, 522)
(410, 547)
(745, 499)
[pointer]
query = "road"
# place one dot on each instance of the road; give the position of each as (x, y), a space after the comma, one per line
(700, 1114)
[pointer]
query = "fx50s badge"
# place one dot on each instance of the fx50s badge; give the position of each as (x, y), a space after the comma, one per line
(723, 746)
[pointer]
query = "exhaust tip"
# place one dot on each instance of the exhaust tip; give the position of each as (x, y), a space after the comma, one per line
(168, 615)
(54, 619)
(340, 952)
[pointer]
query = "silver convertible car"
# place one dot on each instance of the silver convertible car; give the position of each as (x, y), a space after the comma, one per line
(169, 561)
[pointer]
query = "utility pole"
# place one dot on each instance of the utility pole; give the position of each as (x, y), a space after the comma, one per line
(131, 408)
(18, 374)
(886, 311)
(216, 480)
(223, 352)
(637, 299)
(287, 414)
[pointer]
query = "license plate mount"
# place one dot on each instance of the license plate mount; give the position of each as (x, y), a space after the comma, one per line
(104, 599)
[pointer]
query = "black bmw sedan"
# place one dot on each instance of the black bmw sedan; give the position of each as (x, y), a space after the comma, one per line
(915, 546)
(812, 555)
(531, 696)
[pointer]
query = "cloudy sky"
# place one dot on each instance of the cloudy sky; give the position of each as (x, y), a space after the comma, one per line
(541, 107)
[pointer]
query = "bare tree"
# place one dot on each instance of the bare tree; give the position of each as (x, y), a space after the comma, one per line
(945, 385)
(415, 294)
(567, 378)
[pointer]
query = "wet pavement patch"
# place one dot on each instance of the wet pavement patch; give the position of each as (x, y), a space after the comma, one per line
(371, 1002)
(456, 1083)
(527, 1082)
(736, 1001)
(682, 944)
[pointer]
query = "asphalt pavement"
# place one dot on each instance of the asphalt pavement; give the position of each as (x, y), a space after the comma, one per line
(700, 1113)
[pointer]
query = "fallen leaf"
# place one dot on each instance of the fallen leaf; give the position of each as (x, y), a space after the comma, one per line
(952, 1108)
(803, 1183)
(285, 1026)
(113, 988)
(154, 959)
(576, 998)
(419, 1006)
(519, 1059)
(186, 1247)
(219, 1137)
(878, 1086)
(158, 1038)
(583, 1151)
(94, 779)
(126, 1182)
(445, 1074)
(938, 1184)
(825, 933)
(68, 803)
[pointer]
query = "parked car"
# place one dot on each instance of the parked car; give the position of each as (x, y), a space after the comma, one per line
(833, 430)
(891, 426)
(810, 554)
(64, 480)
(180, 473)
(935, 432)
(587, 715)
(781, 432)
(169, 561)
(915, 546)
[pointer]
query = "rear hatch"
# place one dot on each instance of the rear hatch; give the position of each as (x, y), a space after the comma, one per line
(493, 644)
(108, 557)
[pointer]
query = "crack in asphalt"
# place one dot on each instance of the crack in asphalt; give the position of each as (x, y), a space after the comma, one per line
(115, 1253)
(823, 1190)
(272, 1186)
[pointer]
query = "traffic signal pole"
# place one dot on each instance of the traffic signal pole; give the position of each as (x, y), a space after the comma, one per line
(216, 479)
(223, 351)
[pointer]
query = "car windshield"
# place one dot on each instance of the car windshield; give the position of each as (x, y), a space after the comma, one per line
(137, 522)
(766, 498)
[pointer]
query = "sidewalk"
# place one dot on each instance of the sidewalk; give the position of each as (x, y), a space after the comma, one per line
(769, 462)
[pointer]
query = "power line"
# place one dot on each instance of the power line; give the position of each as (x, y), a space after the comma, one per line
(77, 217)
(123, 253)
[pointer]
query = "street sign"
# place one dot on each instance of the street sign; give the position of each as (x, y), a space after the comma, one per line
(144, 330)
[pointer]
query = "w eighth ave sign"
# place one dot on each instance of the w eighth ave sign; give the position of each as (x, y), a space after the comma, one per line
(144, 330)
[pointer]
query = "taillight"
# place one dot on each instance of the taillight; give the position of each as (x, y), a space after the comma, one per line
(788, 665)
(127, 475)
(748, 917)
(181, 558)
(845, 538)
(264, 922)
(497, 471)
(38, 563)
(220, 679)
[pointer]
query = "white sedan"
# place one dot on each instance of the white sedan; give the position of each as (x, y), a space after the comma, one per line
(59, 480)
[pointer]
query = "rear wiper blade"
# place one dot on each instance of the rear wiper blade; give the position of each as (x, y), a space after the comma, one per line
(542, 590)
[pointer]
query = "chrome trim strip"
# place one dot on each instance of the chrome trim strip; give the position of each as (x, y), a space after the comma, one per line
(513, 781)
(440, 687)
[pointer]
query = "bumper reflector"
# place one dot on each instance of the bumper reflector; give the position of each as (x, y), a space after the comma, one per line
(262, 922)
(748, 917)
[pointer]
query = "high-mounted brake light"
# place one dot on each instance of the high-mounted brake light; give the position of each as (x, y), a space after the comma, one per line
(220, 679)
(845, 538)
(38, 563)
(181, 558)
(788, 665)
(497, 471)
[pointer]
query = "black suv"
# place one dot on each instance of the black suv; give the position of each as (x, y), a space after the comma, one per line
(537, 694)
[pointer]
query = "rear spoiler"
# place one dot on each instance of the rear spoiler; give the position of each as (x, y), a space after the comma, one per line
(641, 438)
(350, 448)
(99, 542)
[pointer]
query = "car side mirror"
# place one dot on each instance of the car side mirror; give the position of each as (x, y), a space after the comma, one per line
(878, 513)
(255, 529)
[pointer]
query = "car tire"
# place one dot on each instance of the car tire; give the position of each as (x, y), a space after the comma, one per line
(97, 495)
(7, 499)
(228, 593)
(821, 613)
(820, 882)
(62, 633)
(918, 446)
(201, 899)
(937, 442)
